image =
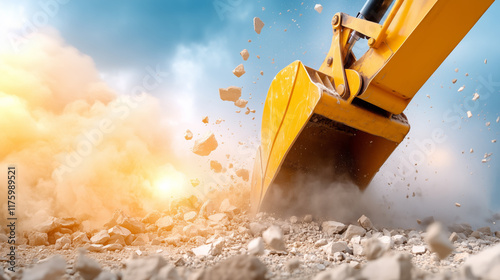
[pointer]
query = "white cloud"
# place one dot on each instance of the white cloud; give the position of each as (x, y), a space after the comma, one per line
(121, 81)
(192, 69)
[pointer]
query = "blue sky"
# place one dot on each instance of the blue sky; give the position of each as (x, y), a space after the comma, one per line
(198, 44)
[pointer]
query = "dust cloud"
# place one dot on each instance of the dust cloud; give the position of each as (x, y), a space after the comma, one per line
(80, 149)
(408, 200)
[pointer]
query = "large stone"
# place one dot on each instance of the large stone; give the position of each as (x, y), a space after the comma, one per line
(373, 248)
(352, 231)
(191, 230)
(190, 216)
(273, 236)
(308, 218)
(399, 239)
(80, 238)
(256, 229)
(386, 242)
(53, 236)
(70, 223)
(438, 241)
(213, 249)
(57, 224)
(94, 248)
(117, 239)
(120, 231)
(453, 237)
(485, 230)
(203, 250)
(113, 247)
(395, 267)
(321, 242)
(153, 216)
(218, 218)
(333, 247)
(358, 250)
(476, 234)
(318, 8)
(256, 246)
(143, 268)
(165, 223)
(53, 268)
(87, 267)
(38, 239)
(231, 93)
(207, 208)
(48, 226)
(131, 224)
(244, 54)
(173, 240)
(101, 237)
(217, 247)
(112, 221)
(257, 24)
(242, 267)
(140, 240)
(226, 207)
(215, 166)
(61, 242)
(365, 222)
(332, 227)
(239, 70)
(461, 228)
(418, 249)
(485, 265)
(205, 145)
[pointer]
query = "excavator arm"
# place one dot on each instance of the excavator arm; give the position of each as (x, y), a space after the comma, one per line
(343, 121)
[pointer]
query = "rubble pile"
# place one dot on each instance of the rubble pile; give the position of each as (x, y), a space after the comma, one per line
(217, 239)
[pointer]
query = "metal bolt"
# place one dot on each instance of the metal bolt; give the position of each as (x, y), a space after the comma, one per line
(329, 61)
(371, 41)
(335, 20)
(341, 89)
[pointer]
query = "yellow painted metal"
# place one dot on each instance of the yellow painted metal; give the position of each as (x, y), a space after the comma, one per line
(383, 32)
(368, 28)
(298, 93)
(308, 128)
(286, 111)
(420, 37)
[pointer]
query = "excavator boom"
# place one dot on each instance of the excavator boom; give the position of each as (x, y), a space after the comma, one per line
(343, 121)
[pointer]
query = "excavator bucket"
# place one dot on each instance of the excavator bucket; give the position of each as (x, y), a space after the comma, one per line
(343, 124)
(308, 128)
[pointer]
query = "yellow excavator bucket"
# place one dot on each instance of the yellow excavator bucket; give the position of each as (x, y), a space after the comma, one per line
(345, 119)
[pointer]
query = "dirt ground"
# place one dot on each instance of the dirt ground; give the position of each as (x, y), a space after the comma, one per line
(201, 240)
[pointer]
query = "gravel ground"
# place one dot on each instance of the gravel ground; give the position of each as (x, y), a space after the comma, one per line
(216, 240)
